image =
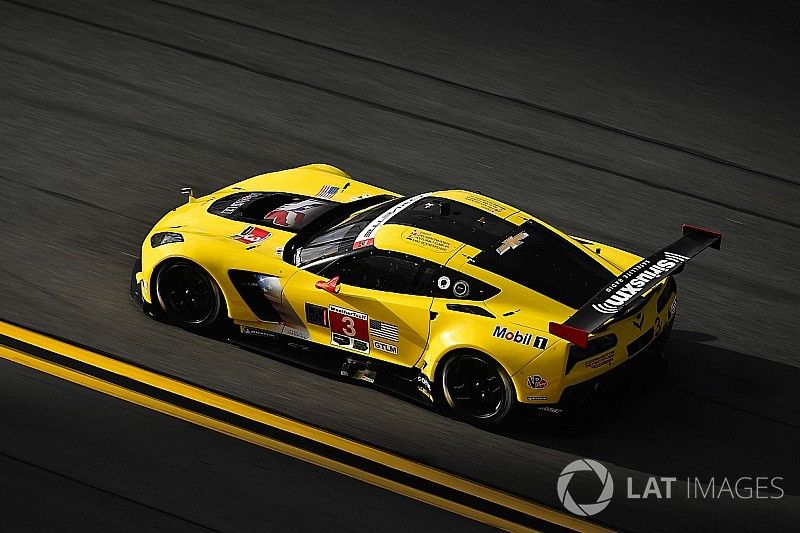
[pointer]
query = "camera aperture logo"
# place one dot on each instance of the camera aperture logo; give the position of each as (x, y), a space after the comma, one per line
(585, 509)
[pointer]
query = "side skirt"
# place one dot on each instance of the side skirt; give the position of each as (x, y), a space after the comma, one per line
(406, 382)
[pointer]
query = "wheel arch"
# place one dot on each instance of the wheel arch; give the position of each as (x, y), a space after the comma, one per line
(438, 364)
(171, 259)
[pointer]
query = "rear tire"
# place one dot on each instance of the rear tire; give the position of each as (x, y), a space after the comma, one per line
(477, 389)
(189, 297)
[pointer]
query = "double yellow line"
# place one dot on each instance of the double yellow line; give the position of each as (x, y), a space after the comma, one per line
(372, 465)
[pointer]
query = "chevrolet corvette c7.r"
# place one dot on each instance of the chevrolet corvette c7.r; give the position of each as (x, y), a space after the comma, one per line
(479, 306)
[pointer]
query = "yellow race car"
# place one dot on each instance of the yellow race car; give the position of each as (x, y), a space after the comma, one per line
(468, 302)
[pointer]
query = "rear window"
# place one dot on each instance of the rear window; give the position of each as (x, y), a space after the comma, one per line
(545, 262)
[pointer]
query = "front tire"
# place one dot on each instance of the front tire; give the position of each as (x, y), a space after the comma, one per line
(189, 296)
(477, 389)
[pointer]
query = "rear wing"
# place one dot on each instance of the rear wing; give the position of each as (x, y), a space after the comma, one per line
(625, 291)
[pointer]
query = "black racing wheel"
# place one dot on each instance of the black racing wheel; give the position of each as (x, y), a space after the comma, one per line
(189, 296)
(477, 389)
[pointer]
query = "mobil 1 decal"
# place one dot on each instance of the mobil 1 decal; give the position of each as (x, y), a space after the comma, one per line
(349, 329)
(518, 337)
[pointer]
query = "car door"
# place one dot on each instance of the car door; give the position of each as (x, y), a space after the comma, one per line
(379, 309)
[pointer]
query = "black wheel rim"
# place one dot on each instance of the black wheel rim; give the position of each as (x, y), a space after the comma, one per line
(186, 293)
(474, 387)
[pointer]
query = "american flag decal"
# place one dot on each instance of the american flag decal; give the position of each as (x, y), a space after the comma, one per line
(383, 330)
(327, 191)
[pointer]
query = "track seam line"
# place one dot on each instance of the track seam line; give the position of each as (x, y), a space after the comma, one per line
(517, 100)
(71, 199)
(146, 92)
(105, 491)
(412, 115)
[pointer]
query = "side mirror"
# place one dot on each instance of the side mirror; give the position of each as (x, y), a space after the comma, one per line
(187, 191)
(331, 286)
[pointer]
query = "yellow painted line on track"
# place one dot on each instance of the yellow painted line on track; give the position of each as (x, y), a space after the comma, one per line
(365, 451)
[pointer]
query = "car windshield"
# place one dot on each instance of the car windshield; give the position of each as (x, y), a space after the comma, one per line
(341, 236)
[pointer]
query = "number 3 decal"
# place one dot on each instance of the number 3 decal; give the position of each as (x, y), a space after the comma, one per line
(349, 326)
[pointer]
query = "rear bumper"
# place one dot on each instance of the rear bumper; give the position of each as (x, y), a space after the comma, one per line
(642, 363)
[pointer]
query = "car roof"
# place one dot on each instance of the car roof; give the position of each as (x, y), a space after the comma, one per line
(437, 225)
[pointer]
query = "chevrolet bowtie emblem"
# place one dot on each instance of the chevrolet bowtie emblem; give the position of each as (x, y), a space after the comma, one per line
(511, 242)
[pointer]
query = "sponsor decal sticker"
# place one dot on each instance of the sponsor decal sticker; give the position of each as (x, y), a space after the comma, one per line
(247, 330)
(252, 235)
(428, 240)
(537, 382)
(673, 306)
(487, 204)
(384, 330)
(363, 244)
(295, 332)
(443, 283)
(327, 191)
(511, 242)
(236, 204)
(526, 339)
(536, 398)
(349, 328)
(424, 386)
(639, 321)
(384, 347)
(635, 280)
(600, 360)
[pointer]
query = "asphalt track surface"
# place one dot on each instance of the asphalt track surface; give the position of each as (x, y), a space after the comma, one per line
(62, 470)
(617, 123)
